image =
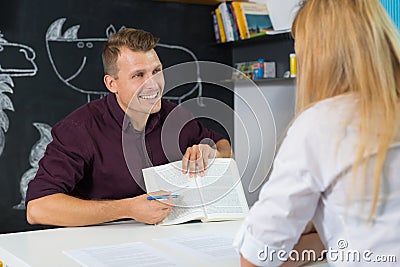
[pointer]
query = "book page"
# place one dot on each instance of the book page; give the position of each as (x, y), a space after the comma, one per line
(218, 195)
(222, 192)
(188, 205)
(130, 254)
(212, 247)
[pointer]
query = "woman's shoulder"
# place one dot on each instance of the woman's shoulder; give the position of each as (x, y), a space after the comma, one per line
(327, 117)
(338, 109)
(339, 103)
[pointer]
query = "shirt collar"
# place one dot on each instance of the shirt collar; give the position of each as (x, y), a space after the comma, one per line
(119, 115)
(153, 121)
(115, 109)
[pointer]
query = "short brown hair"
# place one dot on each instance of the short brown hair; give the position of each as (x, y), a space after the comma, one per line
(134, 39)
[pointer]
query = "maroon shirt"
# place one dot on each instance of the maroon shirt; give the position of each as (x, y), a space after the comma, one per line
(86, 157)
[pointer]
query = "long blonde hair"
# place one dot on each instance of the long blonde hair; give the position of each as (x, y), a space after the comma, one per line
(351, 46)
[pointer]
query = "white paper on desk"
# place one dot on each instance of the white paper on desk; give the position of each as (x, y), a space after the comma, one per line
(204, 246)
(124, 255)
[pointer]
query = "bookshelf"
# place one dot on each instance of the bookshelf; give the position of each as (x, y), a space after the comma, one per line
(270, 47)
(243, 28)
(198, 2)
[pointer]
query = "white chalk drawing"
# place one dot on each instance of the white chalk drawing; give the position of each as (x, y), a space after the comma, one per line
(82, 51)
(36, 154)
(6, 85)
(16, 60)
(199, 84)
(72, 71)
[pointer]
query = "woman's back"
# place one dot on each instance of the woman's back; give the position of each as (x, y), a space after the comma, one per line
(342, 213)
(319, 152)
(348, 107)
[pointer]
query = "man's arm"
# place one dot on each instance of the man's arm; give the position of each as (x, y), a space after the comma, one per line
(63, 210)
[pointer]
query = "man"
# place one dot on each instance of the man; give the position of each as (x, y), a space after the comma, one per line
(91, 172)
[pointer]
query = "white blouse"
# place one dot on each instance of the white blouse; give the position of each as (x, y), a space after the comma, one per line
(312, 180)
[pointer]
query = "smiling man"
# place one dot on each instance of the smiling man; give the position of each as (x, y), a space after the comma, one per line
(86, 177)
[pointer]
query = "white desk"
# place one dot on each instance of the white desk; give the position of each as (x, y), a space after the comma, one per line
(44, 248)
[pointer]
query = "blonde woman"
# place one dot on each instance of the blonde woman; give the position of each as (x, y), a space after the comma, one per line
(339, 164)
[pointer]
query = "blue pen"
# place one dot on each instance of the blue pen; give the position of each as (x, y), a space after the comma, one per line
(161, 197)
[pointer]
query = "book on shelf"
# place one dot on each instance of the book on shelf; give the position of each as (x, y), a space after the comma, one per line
(215, 25)
(242, 20)
(256, 18)
(246, 70)
(227, 22)
(239, 20)
(216, 196)
(220, 26)
(234, 21)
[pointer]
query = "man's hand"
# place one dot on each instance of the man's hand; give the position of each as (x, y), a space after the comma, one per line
(150, 211)
(64, 210)
(195, 159)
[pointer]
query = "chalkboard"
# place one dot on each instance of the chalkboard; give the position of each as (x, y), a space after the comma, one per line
(50, 64)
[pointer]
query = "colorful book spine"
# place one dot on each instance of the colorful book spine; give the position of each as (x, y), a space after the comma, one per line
(220, 26)
(226, 21)
(240, 20)
(215, 27)
(234, 21)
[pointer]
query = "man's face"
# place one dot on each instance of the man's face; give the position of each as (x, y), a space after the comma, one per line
(139, 83)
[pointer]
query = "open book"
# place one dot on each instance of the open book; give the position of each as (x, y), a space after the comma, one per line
(216, 196)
